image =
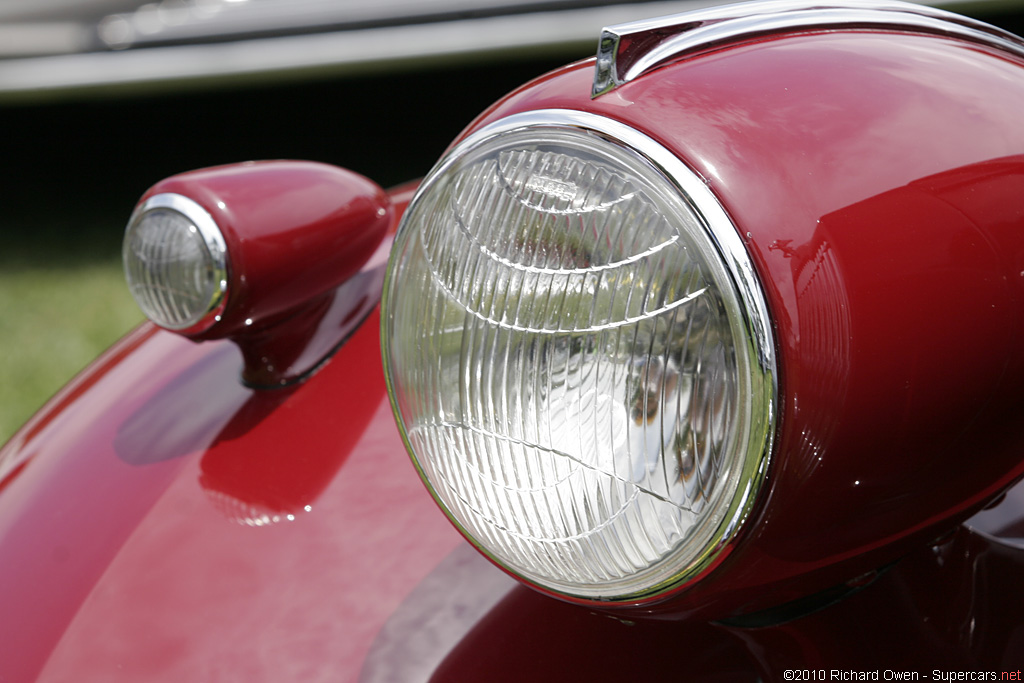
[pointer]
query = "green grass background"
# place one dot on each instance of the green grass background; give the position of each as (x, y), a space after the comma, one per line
(63, 300)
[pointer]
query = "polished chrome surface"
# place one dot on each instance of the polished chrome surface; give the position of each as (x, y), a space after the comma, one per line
(212, 238)
(627, 51)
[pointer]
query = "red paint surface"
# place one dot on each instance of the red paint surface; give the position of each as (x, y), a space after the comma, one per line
(132, 542)
(876, 181)
(529, 637)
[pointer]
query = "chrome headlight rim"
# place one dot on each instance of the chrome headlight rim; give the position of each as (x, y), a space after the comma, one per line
(214, 244)
(720, 231)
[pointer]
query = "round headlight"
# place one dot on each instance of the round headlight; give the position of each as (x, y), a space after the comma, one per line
(579, 356)
(175, 262)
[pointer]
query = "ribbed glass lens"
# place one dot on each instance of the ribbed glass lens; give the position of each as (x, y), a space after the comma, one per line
(562, 347)
(175, 274)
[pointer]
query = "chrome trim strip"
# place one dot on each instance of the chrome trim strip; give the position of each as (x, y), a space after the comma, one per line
(215, 245)
(725, 237)
(627, 51)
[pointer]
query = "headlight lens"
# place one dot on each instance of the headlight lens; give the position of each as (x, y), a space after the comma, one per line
(175, 261)
(580, 366)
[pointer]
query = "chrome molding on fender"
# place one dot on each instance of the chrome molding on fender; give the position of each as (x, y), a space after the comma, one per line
(627, 51)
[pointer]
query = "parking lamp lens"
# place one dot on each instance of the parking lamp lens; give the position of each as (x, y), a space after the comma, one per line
(175, 263)
(577, 375)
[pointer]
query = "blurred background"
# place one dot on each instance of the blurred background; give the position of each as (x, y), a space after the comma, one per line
(100, 99)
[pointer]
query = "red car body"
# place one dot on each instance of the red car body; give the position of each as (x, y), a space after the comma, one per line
(161, 520)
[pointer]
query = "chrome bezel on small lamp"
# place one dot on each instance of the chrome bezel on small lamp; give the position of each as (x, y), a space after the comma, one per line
(215, 253)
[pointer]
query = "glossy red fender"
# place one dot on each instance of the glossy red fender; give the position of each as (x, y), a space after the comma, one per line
(159, 520)
(875, 179)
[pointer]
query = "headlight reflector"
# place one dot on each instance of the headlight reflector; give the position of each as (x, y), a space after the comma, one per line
(175, 261)
(581, 379)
